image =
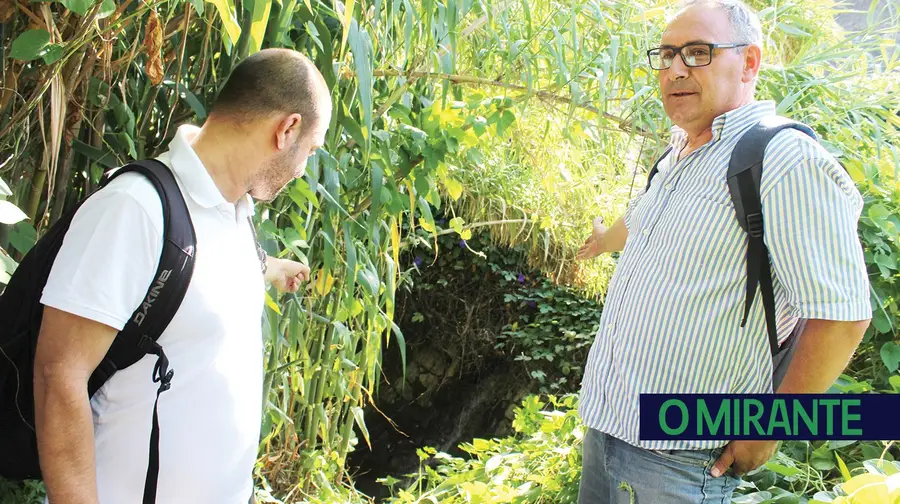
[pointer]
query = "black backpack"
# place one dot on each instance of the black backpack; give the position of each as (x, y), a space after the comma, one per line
(744, 175)
(21, 312)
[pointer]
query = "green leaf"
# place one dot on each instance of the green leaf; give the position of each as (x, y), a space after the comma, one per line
(886, 260)
(782, 469)
(505, 121)
(878, 213)
(360, 421)
(53, 53)
(22, 237)
(104, 158)
(890, 355)
(361, 47)
(423, 185)
(198, 6)
(895, 383)
(188, 96)
(30, 45)
(301, 195)
(880, 321)
(107, 8)
(80, 7)
(368, 279)
(10, 214)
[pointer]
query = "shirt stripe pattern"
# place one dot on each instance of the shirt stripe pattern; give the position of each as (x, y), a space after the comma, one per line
(672, 314)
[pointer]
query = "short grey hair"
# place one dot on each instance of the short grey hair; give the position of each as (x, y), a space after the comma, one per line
(744, 21)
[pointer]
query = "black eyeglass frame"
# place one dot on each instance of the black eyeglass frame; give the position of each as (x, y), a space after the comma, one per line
(679, 50)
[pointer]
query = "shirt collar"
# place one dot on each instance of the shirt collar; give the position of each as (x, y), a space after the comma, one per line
(731, 123)
(190, 170)
(195, 177)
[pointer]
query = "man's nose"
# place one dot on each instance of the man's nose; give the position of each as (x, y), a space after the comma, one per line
(678, 70)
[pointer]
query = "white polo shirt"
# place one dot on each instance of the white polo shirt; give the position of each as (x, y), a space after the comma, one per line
(210, 418)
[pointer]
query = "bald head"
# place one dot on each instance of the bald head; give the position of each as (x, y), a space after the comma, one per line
(272, 82)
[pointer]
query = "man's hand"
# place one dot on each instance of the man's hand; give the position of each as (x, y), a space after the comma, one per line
(743, 456)
(594, 244)
(286, 275)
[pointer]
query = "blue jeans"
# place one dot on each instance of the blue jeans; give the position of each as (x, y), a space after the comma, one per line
(615, 472)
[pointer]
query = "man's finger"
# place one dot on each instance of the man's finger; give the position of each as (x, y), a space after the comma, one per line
(723, 463)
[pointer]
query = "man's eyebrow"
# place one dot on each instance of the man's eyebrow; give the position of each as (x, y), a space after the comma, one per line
(689, 42)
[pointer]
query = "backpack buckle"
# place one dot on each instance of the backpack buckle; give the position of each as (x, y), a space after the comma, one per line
(755, 225)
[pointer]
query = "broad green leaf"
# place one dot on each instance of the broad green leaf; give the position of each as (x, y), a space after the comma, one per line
(198, 6)
(890, 355)
(30, 45)
(895, 383)
(22, 237)
(107, 8)
(53, 53)
(80, 7)
(229, 19)
(782, 469)
(10, 214)
(880, 321)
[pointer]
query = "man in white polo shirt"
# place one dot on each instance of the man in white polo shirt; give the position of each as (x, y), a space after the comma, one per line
(271, 115)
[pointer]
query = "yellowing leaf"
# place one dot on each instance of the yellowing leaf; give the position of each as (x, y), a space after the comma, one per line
(427, 226)
(324, 283)
(271, 304)
(229, 21)
(466, 234)
(412, 206)
(395, 244)
(261, 9)
(454, 188)
(863, 485)
(844, 471)
(348, 15)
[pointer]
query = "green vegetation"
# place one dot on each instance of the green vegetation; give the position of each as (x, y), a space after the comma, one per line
(516, 121)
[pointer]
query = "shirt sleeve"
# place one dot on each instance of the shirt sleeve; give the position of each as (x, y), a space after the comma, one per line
(109, 255)
(810, 217)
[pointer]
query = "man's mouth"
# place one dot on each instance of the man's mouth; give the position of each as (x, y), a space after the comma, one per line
(679, 94)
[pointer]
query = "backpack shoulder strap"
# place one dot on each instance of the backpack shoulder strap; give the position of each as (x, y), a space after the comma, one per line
(744, 175)
(655, 169)
(170, 282)
(139, 336)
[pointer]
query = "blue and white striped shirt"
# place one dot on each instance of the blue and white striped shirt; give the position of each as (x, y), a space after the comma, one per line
(672, 315)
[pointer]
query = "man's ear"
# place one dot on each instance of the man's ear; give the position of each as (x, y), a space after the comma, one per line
(752, 62)
(288, 131)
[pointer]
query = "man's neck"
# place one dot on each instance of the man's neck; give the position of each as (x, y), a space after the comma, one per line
(695, 141)
(224, 161)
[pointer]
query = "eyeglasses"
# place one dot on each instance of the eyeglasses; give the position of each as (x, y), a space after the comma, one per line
(693, 55)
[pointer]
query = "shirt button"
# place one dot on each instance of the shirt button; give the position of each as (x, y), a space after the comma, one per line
(646, 232)
(668, 187)
(610, 326)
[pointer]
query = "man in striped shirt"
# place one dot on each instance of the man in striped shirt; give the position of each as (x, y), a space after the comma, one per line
(672, 316)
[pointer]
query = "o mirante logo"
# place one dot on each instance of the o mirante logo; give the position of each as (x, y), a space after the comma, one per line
(767, 416)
